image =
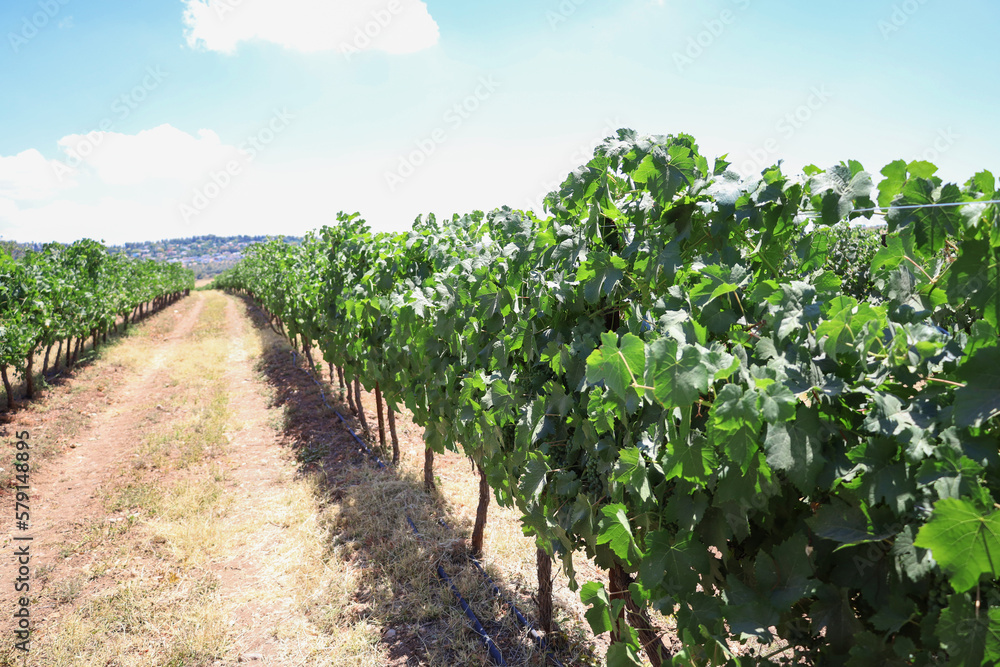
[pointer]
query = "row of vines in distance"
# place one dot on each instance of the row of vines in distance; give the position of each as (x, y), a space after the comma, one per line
(67, 293)
(671, 361)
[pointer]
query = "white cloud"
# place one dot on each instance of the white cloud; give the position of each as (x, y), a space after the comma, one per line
(269, 197)
(347, 26)
(111, 186)
(27, 176)
(163, 152)
(113, 221)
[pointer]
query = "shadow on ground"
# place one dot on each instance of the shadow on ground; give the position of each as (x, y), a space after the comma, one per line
(365, 511)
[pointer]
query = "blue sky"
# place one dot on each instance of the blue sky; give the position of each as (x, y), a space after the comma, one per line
(144, 120)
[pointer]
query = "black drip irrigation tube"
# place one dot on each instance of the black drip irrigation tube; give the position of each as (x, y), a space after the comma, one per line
(491, 646)
(476, 625)
(533, 632)
(343, 421)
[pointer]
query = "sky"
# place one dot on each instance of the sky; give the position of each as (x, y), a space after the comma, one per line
(130, 121)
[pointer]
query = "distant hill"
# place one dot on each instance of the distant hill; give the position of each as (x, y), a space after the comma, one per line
(207, 256)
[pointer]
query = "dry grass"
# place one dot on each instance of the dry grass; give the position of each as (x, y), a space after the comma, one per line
(397, 586)
(134, 495)
(303, 581)
(392, 587)
(140, 622)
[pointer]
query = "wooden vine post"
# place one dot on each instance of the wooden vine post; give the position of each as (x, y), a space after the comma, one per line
(361, 410)
(391, 414)
(543, 563)
(478, 532)
(428, 469)
(6, 386)
(381, 416)
(350, 399)
(307, 348)
(29, 373)
(619, 582)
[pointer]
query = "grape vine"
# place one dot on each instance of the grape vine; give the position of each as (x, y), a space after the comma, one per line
(762, 422)
(76, 291)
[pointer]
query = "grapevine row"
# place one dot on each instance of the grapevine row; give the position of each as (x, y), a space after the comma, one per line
(759, 423)
(67, 293)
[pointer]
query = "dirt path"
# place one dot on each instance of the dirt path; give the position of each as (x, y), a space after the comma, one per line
(203, 507)
(255, 578)
(105, 526)
(63, 495)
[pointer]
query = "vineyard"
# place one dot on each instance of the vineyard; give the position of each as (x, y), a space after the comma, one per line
(68, 294)
(760, 420)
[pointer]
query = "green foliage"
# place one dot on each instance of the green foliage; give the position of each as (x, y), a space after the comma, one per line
(73, 290)
(965, 541)
(846, 251)
(668, 362)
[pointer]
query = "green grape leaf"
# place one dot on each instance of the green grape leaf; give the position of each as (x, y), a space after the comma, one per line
(974, 278)
(747, 612)
(889, 257)
(616, 364)
(922, 168)
(616, 532)
(979, 399)
(631, 470)
(839, 189)
(534, 478)
(600, 274)
(846, 525)
(676, 372)
(914, 562)
(893, 616)
(895, 177)
(692, 458)
(963, 540)
(777, 403)
(673, 562)
(972, 639)
(832, 612)
(846, 322)
(720, 364)
(786, 574)
(623, 655)
(870, 650)
(986, 182)
(595, 595)
(734, 424)
(795, 449)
